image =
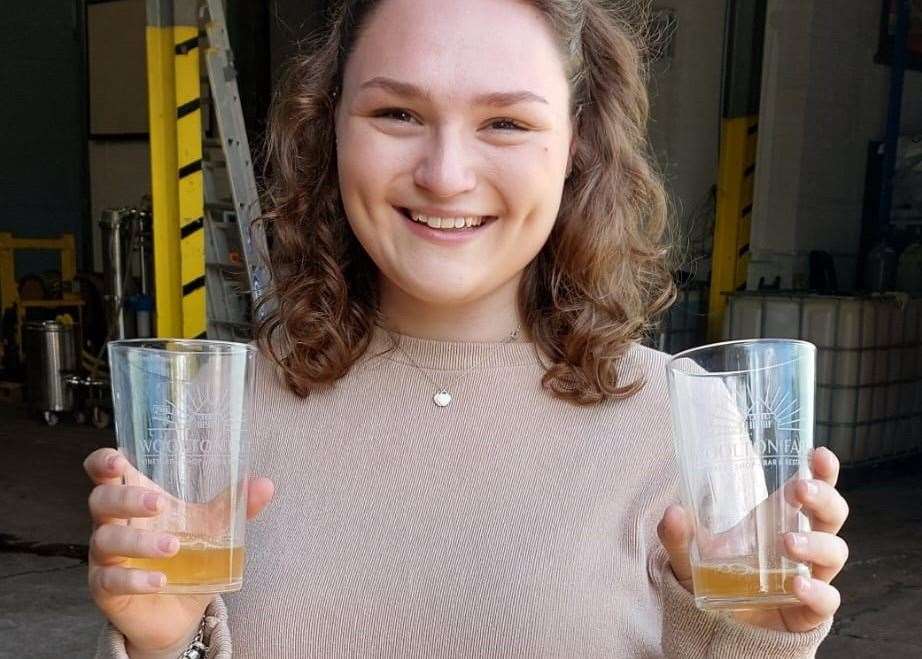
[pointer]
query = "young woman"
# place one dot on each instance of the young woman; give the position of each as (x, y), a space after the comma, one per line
(470, 451)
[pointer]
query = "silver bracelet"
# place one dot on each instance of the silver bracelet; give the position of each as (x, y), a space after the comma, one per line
(197, 648)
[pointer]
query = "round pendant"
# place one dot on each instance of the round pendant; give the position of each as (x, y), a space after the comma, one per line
(442, 399)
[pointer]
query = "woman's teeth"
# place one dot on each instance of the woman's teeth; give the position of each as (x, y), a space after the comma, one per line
(447, 222)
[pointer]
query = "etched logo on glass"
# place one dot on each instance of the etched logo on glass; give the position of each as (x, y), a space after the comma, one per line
(192, 424)
(764, 428)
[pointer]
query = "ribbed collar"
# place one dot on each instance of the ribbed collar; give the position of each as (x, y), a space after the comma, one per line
(450, 355)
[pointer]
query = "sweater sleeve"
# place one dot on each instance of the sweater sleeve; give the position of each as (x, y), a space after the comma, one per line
(687, 631)
(111, 642)
(691, 632)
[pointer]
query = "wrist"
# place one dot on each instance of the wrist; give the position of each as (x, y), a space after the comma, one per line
(686, 583)
(170, 652)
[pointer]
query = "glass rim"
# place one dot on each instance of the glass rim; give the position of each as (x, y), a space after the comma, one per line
(671, 368)
(224, 347)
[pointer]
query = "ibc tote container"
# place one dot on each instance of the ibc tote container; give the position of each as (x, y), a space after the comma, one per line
(868, 371)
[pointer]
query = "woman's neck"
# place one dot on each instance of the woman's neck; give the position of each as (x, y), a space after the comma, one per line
(490, 320)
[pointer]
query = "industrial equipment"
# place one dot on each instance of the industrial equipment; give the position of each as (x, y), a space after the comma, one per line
(127, 240)
(50, 347)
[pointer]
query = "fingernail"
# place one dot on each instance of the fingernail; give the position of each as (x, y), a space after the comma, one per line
(798, 539)
(802, 584)
(156, 580)
(812, 489)
(112, 460)
(152, 501)
(168, 544)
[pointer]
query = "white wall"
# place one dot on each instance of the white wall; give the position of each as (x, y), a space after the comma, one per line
(823, 99)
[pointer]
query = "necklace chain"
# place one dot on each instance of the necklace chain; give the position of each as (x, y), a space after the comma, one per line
(442, 397)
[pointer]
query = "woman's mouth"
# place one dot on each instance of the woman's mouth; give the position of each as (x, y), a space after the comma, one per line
(447, 225)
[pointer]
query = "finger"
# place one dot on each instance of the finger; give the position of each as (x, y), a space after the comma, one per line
(110, 544)
(105, 465)
(825, 465)
(827, 507)
(108, 502)
(789, 490)
(674, 532)
(214, 517)
(827, 553)
(820, 602)
(259, 495)
(117, 580)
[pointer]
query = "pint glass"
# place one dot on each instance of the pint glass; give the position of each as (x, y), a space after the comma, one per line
(182, 410)
(742, 417)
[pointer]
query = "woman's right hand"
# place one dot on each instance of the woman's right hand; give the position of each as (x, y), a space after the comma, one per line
(153, 623)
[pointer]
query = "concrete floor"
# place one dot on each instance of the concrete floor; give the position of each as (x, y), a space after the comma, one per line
(45, 610)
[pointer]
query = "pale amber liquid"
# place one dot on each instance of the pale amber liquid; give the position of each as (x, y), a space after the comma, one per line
(197, 563)
(738, 580)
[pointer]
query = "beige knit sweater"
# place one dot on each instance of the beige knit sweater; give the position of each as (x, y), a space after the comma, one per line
(508, 524)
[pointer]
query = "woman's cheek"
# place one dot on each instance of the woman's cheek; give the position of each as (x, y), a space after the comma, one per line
(528, 173)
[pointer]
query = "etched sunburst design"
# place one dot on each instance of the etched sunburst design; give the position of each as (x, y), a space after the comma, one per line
(770, 422)
(776, 409)
(193, 422)
(194, 407)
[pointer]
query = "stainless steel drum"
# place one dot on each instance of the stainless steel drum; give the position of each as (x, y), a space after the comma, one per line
(50, 350)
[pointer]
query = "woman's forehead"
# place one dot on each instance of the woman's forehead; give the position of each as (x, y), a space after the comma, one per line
(460, 48)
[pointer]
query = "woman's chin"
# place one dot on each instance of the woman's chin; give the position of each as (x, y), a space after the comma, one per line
(438, 291)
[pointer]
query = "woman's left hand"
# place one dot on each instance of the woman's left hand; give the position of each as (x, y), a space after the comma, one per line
(822, 548)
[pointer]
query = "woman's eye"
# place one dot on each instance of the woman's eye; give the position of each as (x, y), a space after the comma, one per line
(506, 124)
(403, 116)
(396, 114)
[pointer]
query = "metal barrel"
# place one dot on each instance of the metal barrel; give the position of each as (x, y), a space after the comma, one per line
(50, 350)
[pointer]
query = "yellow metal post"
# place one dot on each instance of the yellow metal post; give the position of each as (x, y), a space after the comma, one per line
(730, 256)
(176, 163)
(163, 158)
(191, 183)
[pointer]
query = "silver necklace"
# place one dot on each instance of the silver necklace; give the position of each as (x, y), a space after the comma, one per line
(442, 397)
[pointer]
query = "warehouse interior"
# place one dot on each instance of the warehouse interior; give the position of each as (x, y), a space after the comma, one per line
(789, 135)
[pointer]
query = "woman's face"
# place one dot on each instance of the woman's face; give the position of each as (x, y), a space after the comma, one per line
(453, 112)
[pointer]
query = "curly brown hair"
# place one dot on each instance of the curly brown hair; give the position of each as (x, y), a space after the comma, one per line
(595, 287)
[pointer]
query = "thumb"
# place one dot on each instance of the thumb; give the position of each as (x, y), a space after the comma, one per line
(675, 533)
(258, 495)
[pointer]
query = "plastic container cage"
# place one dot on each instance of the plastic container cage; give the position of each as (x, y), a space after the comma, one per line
(869, 368)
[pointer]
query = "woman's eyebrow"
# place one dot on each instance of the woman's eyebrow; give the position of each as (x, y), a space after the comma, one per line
(492, 99)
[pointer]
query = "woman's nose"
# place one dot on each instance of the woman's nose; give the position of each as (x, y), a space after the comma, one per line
(445, 168)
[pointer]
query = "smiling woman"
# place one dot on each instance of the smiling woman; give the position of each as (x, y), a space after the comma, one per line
(476, 156)
(471, 447)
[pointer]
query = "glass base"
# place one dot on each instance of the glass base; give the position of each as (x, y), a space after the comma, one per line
(781, 600)
(204, 588)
